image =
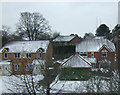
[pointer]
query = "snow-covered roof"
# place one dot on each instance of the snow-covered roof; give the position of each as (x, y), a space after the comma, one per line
(64, 38)
(94, 45)
(38, 62)
(76, 61)
(91, 60)
(5, 62)
(26, 46)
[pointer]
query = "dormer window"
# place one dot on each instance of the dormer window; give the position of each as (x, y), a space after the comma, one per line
(5, 55)
(40, 55)
(104, 53)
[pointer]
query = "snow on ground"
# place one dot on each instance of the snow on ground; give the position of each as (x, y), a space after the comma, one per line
(69, 87)
(96, 84)
(14, 84)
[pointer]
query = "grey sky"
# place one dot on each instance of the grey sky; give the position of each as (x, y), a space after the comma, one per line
(65, 17)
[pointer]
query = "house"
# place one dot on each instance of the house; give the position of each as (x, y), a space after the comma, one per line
(5, 67)
(23, 55)
(76, 61)
(66, 40)
(99, 51)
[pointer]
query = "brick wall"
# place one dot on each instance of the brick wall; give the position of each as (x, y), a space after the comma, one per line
(75, 40)
(24, 61)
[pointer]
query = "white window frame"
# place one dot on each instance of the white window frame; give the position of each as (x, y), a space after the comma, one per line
(18, 55)
(29, 67)
(82, 54)
(39, 55)
(105, 54)
(92, 54)
(17, 67)
(28, 55)
(4, 55)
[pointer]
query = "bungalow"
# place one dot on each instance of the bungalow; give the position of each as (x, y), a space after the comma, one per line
(99, 51)
(23, 54)
(65, 40)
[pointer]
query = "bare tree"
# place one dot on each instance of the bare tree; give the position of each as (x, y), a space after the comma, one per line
(32, 25)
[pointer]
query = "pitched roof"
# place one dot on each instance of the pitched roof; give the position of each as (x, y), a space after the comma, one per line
(64, 38)
(94, 44)
(26, 46)
(91, 60)
(76, 61)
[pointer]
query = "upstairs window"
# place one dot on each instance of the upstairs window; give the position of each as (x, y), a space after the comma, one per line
(17, 67)
(84, 54)
(92, 54)
(28, 67)
(5, 55)
(17, 55)
(28, 55)
(104, 54)
(40, 55)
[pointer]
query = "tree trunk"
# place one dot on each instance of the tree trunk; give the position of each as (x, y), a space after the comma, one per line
(48, 90)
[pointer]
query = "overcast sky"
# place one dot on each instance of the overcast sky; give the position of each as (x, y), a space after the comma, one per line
(65, 17)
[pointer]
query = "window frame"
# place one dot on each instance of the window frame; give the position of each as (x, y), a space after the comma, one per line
(4, 55)
(28, 67)
(104, 53)
(83, 54)
(92, 54)
(28, 55)
(17, 68)
(17, 55)
(40, 55)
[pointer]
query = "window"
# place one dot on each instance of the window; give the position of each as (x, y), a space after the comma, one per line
(28, 55)
(84, 54)
(92, 54)
(17, 67)
(5, 55)
(104, 54)
(40, 55)
(17, 55)
(28, 67)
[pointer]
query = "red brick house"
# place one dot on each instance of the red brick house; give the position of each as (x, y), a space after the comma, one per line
(66, 40)
(99, 51)
(24, 53)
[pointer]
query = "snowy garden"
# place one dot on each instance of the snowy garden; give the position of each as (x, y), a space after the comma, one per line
(96, 84)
